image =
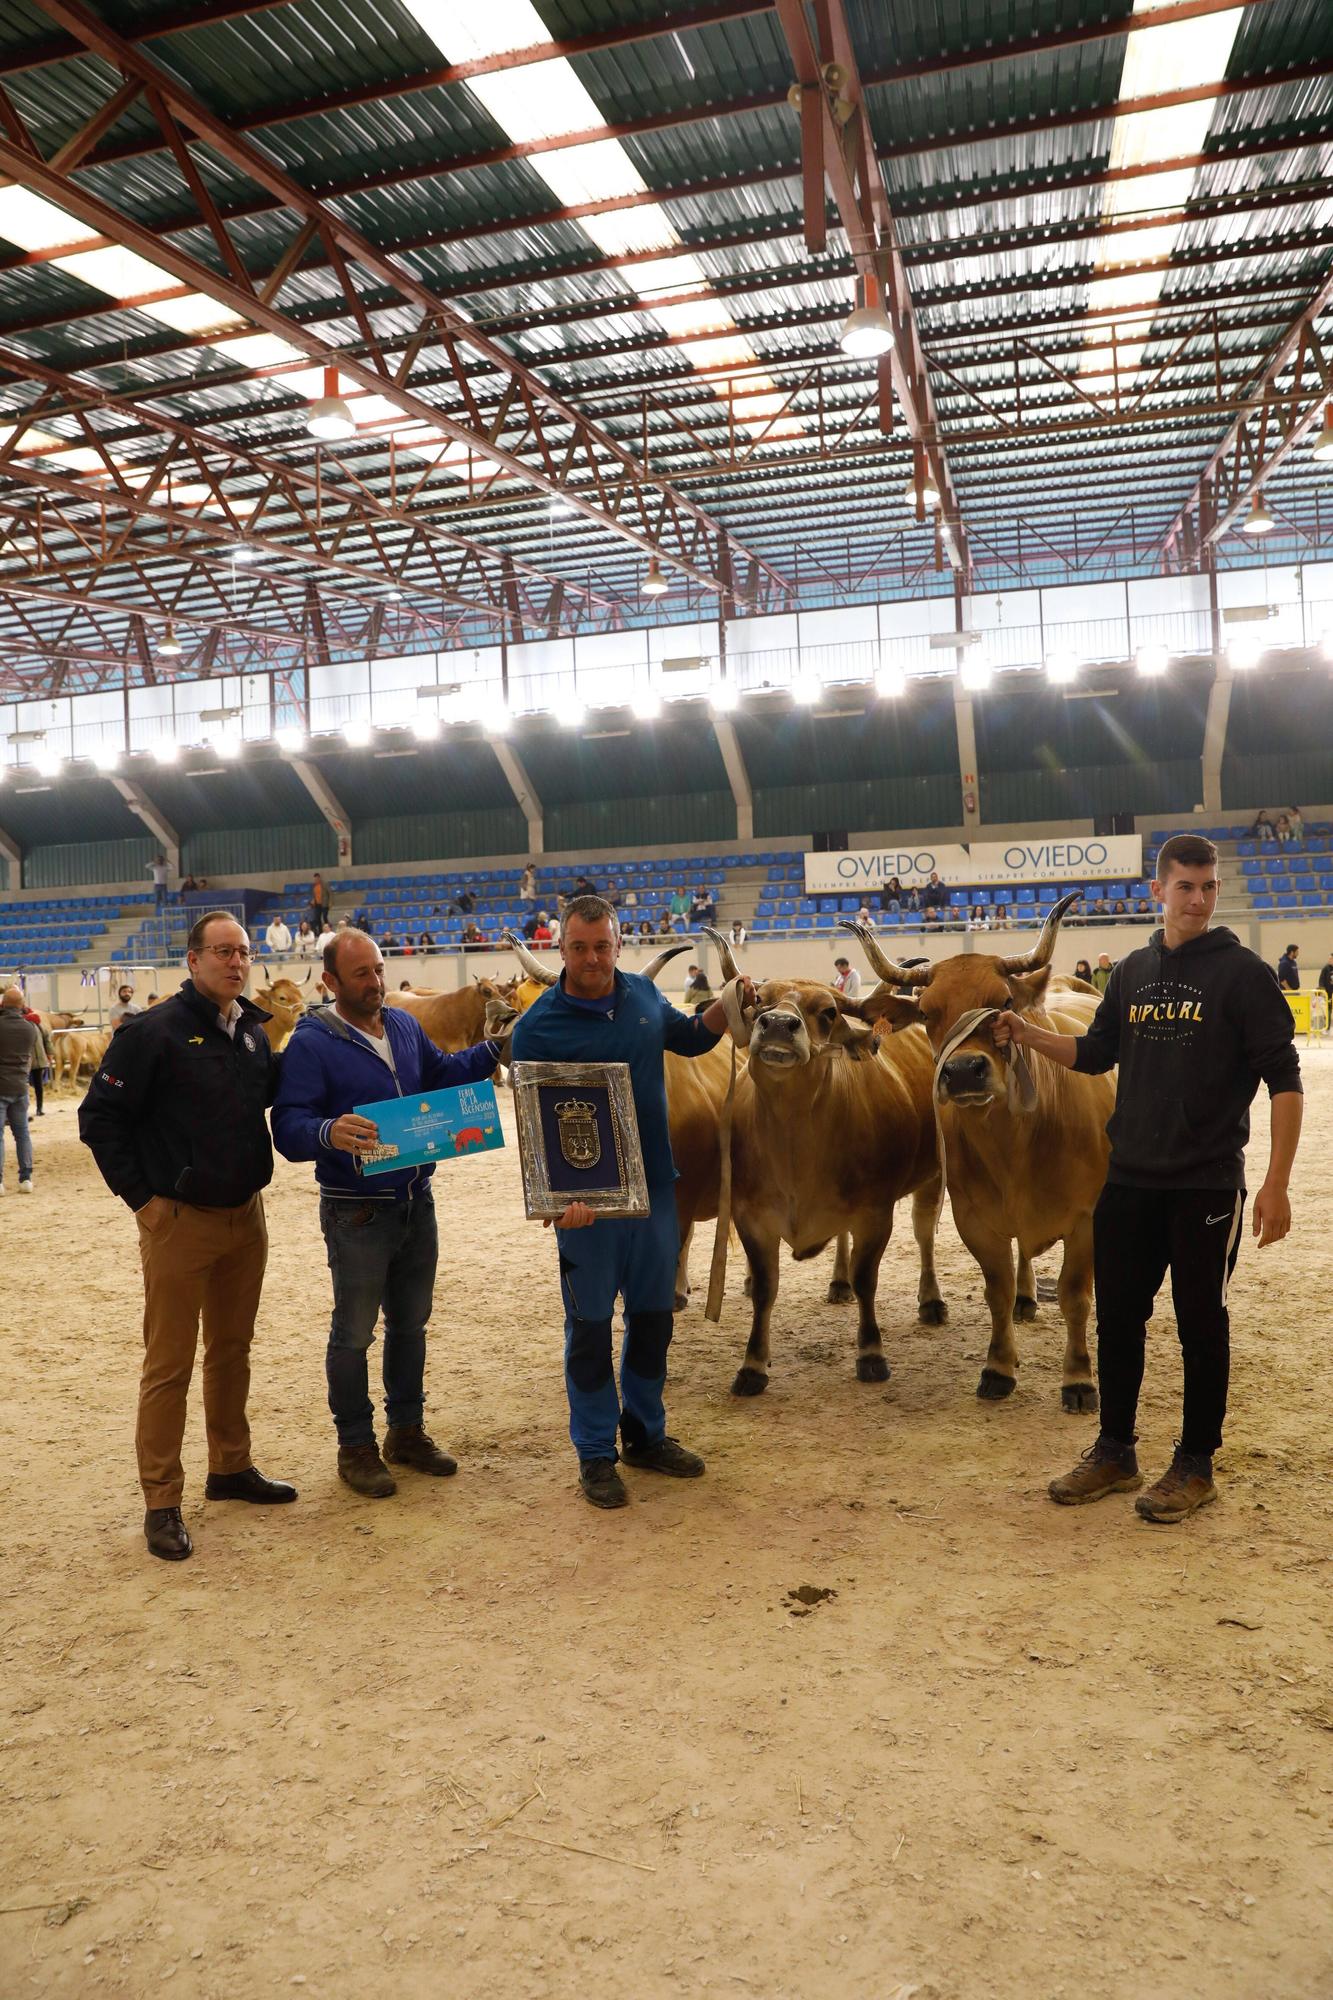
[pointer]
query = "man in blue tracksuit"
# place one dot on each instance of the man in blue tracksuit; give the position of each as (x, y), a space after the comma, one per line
(379, 1231)
(597, 1014)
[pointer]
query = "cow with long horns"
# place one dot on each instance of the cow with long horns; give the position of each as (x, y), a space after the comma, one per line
(1025, 1150)
(831, 1129)
(695, 1088)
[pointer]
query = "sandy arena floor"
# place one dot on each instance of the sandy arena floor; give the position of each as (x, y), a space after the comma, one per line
(481, 1739)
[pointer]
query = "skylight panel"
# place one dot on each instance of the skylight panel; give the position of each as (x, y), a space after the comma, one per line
(34, 223)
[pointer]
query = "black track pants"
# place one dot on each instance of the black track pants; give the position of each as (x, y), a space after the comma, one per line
(1138, 1235)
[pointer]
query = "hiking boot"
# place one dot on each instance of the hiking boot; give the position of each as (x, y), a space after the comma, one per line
(361, 1467)
(409, 1445)
(1106, 1467)
(668, 1456)
(166, 1534)
(601, 1483)
(1186, 1484)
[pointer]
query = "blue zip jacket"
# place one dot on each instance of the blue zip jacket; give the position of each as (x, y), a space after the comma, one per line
(328, 1069)
(642, 1024)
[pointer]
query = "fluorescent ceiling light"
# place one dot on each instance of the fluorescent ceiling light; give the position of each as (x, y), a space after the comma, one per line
(722, 698)
(291, 740)
(806, 689)
(1245, 650)
(48, 762)
(1061, 669)
(1258, 521)
(975, 676)
(569, 712)
(1152, 660)
(356, 733)
(106, 756)
(890, 682)
(647, 707)
(166, 749)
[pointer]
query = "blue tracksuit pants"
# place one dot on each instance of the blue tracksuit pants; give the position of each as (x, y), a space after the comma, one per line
(635, 1259)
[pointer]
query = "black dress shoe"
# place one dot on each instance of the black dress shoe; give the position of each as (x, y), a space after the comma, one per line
(248, 1485)
(164, 1531)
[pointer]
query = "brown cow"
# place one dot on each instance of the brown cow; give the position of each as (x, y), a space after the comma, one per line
(831, 1129)
(1025, 1174)
(453, 1021)
(77, 1049)
(282, 999)
(696, 1087)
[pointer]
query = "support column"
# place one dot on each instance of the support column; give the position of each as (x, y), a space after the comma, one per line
(1219, 694)
(737, 776)
(153, 818)
(520, 784)
(969, 791)
(11, 852)
(329, 805)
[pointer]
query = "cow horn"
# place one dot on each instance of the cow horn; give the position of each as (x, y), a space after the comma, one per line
(530, 963)
(730, 969)
(885, 967)
(1045, 945)
(661, 958)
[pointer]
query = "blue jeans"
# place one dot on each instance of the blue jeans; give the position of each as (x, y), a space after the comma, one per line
(381, 1254)
(637, 1260)
(14, 1113)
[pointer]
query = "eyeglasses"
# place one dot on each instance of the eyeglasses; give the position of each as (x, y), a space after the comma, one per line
(227, 952)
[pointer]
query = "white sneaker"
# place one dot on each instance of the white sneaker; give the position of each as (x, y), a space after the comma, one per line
(3, 1188)
(25, 1187)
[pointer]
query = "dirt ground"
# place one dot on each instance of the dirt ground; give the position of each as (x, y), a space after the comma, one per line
(480, 1738)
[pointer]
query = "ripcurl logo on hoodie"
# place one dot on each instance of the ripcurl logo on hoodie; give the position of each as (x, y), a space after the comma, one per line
(1166, 1010)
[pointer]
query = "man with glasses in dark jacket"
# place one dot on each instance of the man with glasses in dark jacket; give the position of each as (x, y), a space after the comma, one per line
(174, 1118)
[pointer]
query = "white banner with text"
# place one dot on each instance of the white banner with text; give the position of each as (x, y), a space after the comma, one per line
(865, 870)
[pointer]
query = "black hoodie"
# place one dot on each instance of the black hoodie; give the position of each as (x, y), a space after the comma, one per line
(1194, 1031)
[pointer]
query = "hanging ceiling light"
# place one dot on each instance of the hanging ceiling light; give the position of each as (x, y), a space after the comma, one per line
(227, 745)
(654, 584)
(570, 712)
(867, 331)
(806, 689)
(890, 682)
(329, 417)
(1245, 649)
(241, 552)
(722, 698)
(105, 756)
(1061, 669)
(47, 763)
(1323, 444)
(930, 493)
(975, 676)
(1258, 521)
(1152, 660)
(166, 750)
(291, 740)
(425, 726)
(647, 706)
(356, 733)
(169, 646)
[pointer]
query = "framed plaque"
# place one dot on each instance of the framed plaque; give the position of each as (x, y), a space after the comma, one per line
(578, 1139)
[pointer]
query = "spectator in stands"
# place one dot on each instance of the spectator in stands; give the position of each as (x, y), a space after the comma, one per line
(585, 886)
(404, 986)
(646, 931)
(1143, 908)
(125, 1006)
(863, 916)
(1297, 824)
(1000, 920)
(1100, 907)
(1326, 983)
(425, 941)
(738, 935)
(387, 943)
(891, 895)
(1120, 911)
(320, 903)
(611, 894)
(630, 900)
(936, 894)
(1283, 830)
(1263, 828)
(360, 916)
(530, 923)
(527, 886)
(543, 934)
(978, 917)
(1101, 972)
(1083, 971)
(1288, 971)
(42, 1069)
(703, 910)
(473, 937)
(465, 902)
(159, 871)
(152, 1000)
(278, 938)
(696, 985)
(20, 1053)
(304, 941)
(912, 901)
(846, 978)
(679, 904)
(188, 885)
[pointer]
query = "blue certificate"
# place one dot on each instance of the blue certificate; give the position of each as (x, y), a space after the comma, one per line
(436, 1125)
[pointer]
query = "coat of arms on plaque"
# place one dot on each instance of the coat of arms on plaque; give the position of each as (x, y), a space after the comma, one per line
(580, 1143)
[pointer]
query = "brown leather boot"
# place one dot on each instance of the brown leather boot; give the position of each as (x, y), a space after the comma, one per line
(1186, 1484)
(1106, 1467)
(361, 1467)
(411, 1446)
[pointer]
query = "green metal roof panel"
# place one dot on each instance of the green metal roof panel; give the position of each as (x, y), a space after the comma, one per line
(654, 759)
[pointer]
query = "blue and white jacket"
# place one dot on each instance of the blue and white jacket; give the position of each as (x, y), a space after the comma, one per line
(641, 1025)
(327, 1069)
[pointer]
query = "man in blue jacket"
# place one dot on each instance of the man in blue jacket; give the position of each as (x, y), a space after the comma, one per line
(595, 1013)
(379, 1232)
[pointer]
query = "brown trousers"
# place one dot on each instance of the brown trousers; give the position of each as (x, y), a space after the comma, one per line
(196, 1261)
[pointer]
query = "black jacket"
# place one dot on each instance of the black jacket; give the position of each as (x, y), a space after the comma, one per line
(176, 1107)
(1194, 1031)
(1288, 974)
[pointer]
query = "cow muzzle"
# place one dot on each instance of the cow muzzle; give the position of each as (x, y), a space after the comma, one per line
(968, 1078)
(778, 1039)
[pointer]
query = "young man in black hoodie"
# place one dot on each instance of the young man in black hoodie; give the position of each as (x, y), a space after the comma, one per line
(1195, 1021)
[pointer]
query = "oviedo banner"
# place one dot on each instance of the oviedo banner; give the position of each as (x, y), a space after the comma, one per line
(865, 870)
